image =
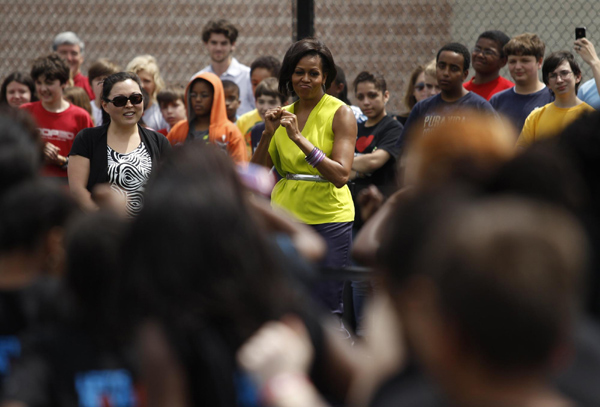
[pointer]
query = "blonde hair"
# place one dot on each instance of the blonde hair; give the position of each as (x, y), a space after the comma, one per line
(147, 63)
(430, 68)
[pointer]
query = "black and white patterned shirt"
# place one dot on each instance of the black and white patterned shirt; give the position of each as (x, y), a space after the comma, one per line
(128, 174)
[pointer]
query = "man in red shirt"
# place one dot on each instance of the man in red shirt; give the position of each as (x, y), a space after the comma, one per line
(488, 58)
(58, 120)
(68, 45)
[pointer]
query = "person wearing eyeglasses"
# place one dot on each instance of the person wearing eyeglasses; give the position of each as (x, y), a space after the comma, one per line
(121, 152)
(561, 73)
(488, 58)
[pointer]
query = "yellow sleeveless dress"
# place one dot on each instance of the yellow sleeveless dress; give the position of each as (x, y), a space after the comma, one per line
(311, 202)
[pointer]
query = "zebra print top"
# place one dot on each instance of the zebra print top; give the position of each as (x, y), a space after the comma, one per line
(128, 174)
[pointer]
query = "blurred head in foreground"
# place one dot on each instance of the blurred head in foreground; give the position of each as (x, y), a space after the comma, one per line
(468, 149)
(487, 289)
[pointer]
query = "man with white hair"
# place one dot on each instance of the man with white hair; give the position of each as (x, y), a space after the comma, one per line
(70, 47)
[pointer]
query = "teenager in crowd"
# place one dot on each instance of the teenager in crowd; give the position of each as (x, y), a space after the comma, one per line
(488, 58)
(207, 120)
(375, 154)
(232, 99)
(172, 106)
(17, 88)
(219, 37)
(261, 69)
(562, 75)
(267, 97)
(452, 68)
(525, 55)
(58, 120)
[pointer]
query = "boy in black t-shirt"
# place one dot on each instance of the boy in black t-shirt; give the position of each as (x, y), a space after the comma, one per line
(375, 153)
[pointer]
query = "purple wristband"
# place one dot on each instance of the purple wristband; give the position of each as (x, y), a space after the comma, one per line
(315, 157)
(311, 155)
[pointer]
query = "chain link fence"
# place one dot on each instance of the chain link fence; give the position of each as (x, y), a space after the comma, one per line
(390, 37)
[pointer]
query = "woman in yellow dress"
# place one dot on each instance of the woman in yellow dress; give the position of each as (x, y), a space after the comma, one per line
(311, 144)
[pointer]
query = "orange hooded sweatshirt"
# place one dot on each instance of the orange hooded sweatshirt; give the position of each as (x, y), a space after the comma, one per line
(221, 131)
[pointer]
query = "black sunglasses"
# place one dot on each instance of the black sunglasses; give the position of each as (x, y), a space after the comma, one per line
(420, 86)
(120, 101)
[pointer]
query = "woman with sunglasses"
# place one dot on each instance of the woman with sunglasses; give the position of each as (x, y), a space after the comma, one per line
(421, 85)
(121, 152)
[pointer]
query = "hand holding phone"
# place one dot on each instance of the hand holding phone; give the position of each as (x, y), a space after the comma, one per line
(579, 32)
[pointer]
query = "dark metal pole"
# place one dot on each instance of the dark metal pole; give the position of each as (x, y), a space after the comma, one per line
(305, 19)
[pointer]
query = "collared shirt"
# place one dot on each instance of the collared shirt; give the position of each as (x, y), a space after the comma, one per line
(240, 74)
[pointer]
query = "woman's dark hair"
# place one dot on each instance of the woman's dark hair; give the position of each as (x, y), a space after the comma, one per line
(93, 273)
(195, 253)
(553, 60)
(22, 78)
(110, 81)
(300, 49)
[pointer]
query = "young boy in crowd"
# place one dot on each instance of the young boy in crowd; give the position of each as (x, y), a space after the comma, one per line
(488, 58)
(261, 69)
(562, 74)
(171, 101)
(232, 99)
(58, 120)
(267, 97)
(96, 74)
(207, 118)
(453, 101)
(375, 153)
(525, 55)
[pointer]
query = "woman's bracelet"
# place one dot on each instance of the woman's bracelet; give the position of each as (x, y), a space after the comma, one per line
(315, 157)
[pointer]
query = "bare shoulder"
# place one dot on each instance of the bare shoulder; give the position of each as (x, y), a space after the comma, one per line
(344, 118)
(345, 113)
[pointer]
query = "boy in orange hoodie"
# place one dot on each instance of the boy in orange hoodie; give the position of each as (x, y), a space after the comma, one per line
(207, 118)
